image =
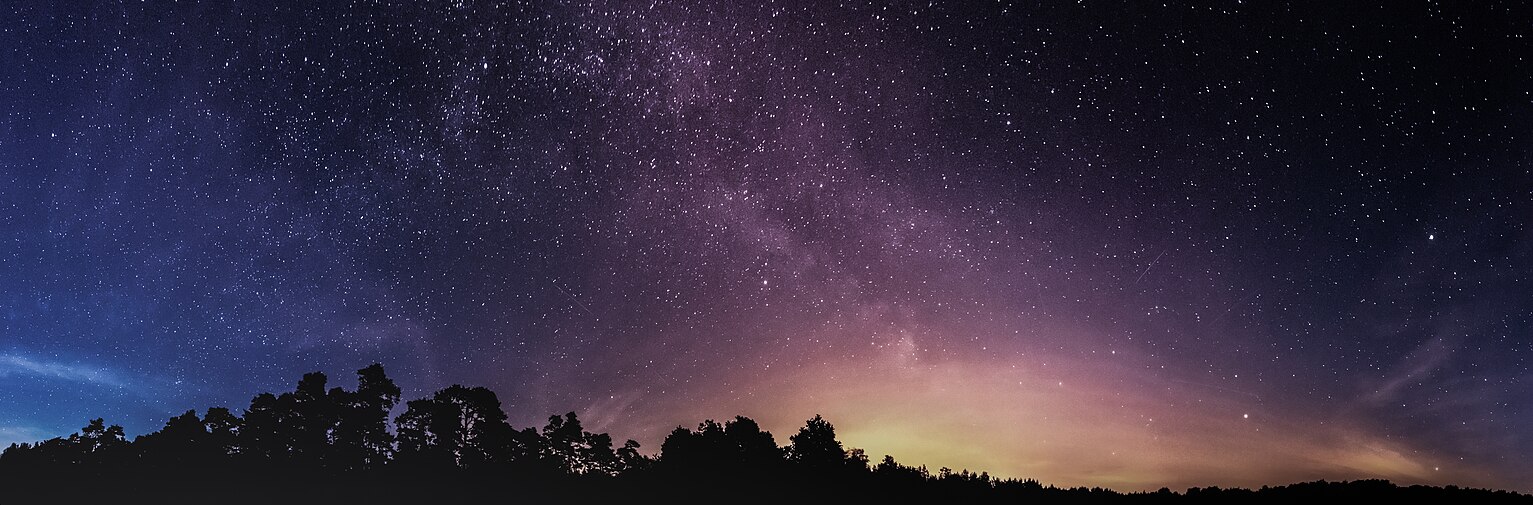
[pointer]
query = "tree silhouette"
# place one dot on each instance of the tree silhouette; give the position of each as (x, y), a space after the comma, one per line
(815, 447)
(460, 426)
(182, 443)
(687, 452)
(754, 449)
(262, 436)
(734, 451)
(419, 445)
(565, 443)
(223, 431)
(361, 438)
(307, 414)
(630, 460)
(99, 442)
(571, 449)
(316, 445)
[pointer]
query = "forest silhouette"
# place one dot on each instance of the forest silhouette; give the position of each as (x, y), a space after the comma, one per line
(335, 445)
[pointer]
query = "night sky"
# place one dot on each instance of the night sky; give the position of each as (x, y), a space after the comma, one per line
(1092, 243)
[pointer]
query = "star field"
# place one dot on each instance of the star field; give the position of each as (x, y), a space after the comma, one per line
(1108, 244)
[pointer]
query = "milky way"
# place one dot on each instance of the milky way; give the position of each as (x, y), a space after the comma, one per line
(1124, 245)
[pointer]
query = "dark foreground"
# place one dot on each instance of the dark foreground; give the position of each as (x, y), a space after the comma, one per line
(318, 445)
(487, 487)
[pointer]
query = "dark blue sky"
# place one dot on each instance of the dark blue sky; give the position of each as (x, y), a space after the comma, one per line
(1109, 244)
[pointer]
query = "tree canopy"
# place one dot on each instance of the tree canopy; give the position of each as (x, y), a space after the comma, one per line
(315, 444)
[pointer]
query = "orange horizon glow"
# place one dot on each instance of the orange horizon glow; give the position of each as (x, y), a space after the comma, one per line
(1071, 423)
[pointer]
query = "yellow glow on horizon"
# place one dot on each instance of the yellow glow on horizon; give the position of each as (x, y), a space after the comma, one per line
(1129, 433)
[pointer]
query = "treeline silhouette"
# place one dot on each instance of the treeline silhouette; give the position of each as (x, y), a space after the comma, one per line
(335, 445)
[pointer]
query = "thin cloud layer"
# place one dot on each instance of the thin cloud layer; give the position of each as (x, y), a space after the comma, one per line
(15, 364)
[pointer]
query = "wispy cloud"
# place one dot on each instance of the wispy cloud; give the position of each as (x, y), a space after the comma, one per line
(19, 434)
(16, 364)
(1415, 368)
